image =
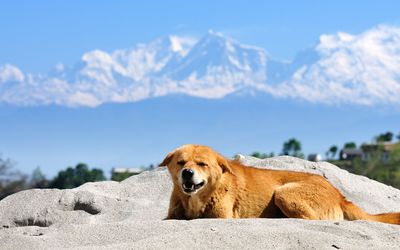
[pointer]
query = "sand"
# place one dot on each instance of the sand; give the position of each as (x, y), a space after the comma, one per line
(129, 215)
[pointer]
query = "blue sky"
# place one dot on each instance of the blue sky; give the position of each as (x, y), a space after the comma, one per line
(35, 35)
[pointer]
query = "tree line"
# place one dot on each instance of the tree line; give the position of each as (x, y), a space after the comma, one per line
(12, 181)
(292, 147)
(379, 162)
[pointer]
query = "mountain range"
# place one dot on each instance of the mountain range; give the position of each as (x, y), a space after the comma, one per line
(341, 68)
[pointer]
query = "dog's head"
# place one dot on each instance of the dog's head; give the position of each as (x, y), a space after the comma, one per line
(196, 169)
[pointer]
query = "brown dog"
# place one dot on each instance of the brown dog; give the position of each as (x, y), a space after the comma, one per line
(206, 185)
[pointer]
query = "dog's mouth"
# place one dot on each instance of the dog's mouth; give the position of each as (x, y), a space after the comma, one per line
(190, 187)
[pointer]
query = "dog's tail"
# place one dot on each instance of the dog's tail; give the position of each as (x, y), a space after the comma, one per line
(353, 212)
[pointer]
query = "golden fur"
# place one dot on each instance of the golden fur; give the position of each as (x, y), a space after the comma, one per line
(232, 190)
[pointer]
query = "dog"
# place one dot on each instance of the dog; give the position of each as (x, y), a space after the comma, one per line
(207, 185)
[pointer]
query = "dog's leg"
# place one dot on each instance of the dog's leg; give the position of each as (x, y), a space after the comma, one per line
(308, 201)
(221, 207)
(291, 207)
(176, 210)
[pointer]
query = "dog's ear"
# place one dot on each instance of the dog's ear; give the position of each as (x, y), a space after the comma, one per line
(167, 159)
(224, 164)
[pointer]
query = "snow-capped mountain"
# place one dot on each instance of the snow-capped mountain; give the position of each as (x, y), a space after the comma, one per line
(214, 67)
(361, 69)
(215, 54)
(344, 68)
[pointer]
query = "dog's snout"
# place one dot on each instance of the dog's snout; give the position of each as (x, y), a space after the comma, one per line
(187, 174)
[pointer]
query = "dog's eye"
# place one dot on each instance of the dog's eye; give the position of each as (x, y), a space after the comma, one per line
(181, 163)
(202, 164)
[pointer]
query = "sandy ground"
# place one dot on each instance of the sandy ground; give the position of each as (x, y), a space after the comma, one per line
(128, 215)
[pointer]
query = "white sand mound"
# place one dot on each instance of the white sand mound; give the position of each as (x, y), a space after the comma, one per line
(129, 215)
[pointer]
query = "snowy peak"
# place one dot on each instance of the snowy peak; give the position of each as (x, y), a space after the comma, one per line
(10, 73)
(135, 64)
(220, 50)
(360, 69)
(180, 45)
(217, 54)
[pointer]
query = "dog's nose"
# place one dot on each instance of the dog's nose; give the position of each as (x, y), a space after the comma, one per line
(187, 174)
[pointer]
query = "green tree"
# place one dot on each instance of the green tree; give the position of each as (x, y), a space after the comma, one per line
(350, 145)
(256, 154)
(120, 176)
(292, 147)
(38, 179)
(262, 155)
(385, 137)
(379, 167)
(74, 177)
(11, 181)
(332, 151)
